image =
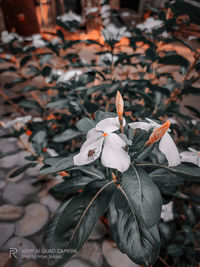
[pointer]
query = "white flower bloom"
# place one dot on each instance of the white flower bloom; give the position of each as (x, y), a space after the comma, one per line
(70, 16)
(69, 75)
(111, 32)
(167, 212)
(192, 156)
(21, 120)
(107, 57)
(102, 140)
(7, 37)
(37, 41)
(91, 10)
(149, 24)
(166, 145)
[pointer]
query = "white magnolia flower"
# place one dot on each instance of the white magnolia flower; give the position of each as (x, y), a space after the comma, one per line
(192, 156)
(111, 32)
(102, 140)
(167, 212)
(69, 75)
(166, 144)
(149, 24)
(21, 120)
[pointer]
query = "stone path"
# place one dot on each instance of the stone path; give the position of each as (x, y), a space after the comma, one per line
(24, 211)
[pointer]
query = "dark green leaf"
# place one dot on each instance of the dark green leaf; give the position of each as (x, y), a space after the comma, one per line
(143, 195)
(72, 227)
(85, 124)
(140, 243)
(57, 165)
(66, 135)
(22, 169)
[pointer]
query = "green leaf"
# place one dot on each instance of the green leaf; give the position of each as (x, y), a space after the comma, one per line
(29, 104)
(22, 169)
(60, 164)
(174, 60)
(70, 186)
(185, 172)
(85, 124)
(101, 115)
(14, 82)
(90, 171)
(143, 194)
(175, 250)
(28, 88)
(76, 220)
(66, 136)
(9, 153)
(46, 71)
(24, 60)
(140, 243)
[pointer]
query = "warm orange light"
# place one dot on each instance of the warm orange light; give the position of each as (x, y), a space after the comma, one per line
(158, 133)
(104, 134)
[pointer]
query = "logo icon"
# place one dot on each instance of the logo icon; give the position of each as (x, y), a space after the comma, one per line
(13, 252)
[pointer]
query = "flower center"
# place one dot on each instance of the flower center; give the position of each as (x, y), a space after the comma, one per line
(104, 134)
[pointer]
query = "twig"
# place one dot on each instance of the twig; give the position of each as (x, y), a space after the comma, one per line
(16, 107)
(163, 261)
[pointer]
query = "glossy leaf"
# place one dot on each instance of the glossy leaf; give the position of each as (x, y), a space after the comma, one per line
(66, 135)
(140, 243)
(144, 196)
(71, 229)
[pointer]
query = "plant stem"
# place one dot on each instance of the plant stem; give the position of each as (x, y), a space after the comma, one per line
(16, 107)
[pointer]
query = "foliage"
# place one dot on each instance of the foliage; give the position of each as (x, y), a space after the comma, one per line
(71, 99)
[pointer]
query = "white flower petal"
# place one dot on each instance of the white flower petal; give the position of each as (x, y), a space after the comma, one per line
(109, 125)
(167, 212)
(169, 149)
(187, 156)
(93, 134)
(193, 150)
(141, 125)
(113, 154)
(82, 157)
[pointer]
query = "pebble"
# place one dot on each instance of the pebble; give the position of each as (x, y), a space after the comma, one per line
(19, 193)
(92, 253)
(35, 218)
(6, 146)
(5, 259)
(25, 249)
(51, 202)
(6, 231)
(98, 232)
(76, 263)
(34, 171)
(114, 256)
(2, 184)
(9, 161)
(10, 212)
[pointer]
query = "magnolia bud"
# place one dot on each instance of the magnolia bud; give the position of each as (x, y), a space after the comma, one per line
(158, 133)
(119, 103)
